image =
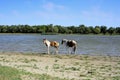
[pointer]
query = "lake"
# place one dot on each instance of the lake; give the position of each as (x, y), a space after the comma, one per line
(87, 44)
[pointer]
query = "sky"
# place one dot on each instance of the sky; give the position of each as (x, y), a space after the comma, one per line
(60, 12)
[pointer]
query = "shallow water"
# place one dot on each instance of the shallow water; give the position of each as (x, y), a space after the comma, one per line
(87, 44)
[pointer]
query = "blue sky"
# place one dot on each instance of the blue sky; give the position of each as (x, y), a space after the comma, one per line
(60, 12)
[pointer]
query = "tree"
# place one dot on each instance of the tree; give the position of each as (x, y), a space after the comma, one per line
(111, 30)
(81, 29)
(91, 29)
(61, 29)
(118, 30)
(49, 28)
(4, 29)
(97, 30)
(87, 30)
(55, 29)
(103, 29)
(42, 28)
(73, 29)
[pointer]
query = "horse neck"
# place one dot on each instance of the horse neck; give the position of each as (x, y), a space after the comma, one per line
(47, 43)
(65, 42)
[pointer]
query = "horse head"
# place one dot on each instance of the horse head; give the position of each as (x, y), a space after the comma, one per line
(44, 40)
(64, 41)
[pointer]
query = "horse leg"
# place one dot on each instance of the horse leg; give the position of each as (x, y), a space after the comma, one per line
(48, 50)
(74, 49)
(68, 50)
(56, 50)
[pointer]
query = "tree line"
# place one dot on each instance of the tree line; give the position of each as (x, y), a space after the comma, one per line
(44, 29)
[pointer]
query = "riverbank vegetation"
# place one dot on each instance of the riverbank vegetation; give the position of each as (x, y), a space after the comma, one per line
(58, 29)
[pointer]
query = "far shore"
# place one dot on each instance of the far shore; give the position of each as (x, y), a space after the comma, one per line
(71, 67)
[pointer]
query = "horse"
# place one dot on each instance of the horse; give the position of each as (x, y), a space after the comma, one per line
(54, 44)
(70, 43)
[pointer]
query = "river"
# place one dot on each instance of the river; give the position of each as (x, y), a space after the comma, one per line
(87, 44)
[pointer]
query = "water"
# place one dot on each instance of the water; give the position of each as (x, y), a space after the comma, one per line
(87, 44)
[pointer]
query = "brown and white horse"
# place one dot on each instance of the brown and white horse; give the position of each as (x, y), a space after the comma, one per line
(54, 44)
(70, 43)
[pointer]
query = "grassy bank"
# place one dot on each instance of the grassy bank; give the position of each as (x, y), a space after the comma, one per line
(17, 66)
(9, 73)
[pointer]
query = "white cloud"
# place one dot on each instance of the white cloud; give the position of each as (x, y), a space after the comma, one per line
(97, 14)
(47, 11)
(50, 6)
(52, 15)
(53, 11)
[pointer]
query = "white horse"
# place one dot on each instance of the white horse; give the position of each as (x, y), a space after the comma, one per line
(54, 44)
(70, 43)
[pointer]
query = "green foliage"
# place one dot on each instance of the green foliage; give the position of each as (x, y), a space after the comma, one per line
(97, 30)
(50, 29)
(118, 30)
(103, 29)
(111, 30)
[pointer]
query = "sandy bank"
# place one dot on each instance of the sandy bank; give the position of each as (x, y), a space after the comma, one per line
(76, 67)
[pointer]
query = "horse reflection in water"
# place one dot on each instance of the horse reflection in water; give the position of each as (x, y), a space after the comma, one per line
(70, 43)
(54, 44)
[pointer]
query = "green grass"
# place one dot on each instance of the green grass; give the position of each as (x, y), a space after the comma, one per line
(56, 66)
(116, 78)
(9, 73)
(73, 69)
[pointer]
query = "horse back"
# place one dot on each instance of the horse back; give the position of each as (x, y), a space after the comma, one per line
(70, 43)
(54, 43)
